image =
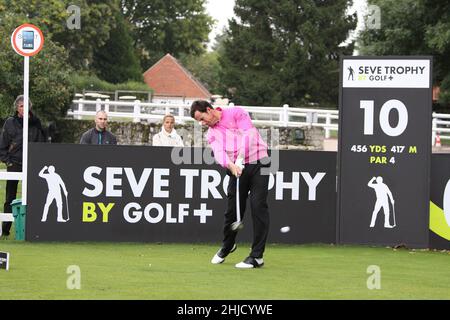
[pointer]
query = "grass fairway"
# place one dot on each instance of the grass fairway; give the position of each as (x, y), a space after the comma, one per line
(183, 271)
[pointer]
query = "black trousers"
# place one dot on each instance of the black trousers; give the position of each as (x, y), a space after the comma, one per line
(251, 180)
(11, 194)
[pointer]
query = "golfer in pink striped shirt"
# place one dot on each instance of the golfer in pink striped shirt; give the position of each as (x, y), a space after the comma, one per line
(236, 142)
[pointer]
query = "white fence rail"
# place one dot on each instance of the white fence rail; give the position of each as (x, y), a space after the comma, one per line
(441, 127)
(285, 116)
(152, 112)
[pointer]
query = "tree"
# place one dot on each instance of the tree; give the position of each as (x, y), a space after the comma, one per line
(413, 27)
(286, 51)
(116, 61)
(160, 27)
(205, 68)
(218, 45)
(52, 18)
(50, 86)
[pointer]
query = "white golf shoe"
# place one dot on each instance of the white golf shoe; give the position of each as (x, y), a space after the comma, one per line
(250, 263)
(220, 256)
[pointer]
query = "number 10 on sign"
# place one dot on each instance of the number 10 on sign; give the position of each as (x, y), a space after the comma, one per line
(386, 109)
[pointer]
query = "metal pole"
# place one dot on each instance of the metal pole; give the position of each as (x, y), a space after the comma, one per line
(26, 109)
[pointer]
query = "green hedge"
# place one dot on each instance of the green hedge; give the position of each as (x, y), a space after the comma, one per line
(92, 82)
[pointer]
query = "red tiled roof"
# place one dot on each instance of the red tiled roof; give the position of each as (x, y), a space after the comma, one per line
(168, 77)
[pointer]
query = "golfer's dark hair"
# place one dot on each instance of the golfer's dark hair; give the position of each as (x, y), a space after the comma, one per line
(200, 106)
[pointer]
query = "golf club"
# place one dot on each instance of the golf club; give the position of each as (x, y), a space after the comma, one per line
(393, 213)
(237, 225)
(67, 207)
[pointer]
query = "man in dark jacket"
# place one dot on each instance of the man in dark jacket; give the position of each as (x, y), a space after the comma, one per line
(11, 141)
(99, 134)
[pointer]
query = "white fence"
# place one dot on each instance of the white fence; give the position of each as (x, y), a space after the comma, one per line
(152, 112)
(284, 116)
(441, 127)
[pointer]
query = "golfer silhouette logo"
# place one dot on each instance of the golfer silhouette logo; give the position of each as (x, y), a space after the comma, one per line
(351, 74)
(382, 193)
(55, 184)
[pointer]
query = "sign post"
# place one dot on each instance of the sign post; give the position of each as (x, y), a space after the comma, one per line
(384, 150)
(27, 40)
(4, 260)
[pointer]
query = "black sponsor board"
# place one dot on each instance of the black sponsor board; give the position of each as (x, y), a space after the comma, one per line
(384, 151)
(160, 194)
(440, 202)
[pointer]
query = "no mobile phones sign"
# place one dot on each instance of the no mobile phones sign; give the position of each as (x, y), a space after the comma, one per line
(27, 40)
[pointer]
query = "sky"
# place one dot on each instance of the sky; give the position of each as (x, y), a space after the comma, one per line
(222, 10)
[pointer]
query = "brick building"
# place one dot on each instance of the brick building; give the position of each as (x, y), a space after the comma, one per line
(172, 83)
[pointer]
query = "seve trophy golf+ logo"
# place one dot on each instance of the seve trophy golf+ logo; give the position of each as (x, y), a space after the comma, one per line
(364, 73)
(56, 188)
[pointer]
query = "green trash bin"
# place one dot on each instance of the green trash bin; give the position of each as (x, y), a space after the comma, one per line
(19, 212)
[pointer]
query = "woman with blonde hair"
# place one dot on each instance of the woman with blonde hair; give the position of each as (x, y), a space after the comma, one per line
(168, 136)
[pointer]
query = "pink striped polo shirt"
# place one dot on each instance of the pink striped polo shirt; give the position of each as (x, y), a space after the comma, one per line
(235, 135)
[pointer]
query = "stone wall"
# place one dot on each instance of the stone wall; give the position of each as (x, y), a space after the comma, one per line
(129, 133)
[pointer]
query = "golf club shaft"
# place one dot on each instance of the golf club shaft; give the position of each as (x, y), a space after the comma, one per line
(67, 207)
(238, 207)
(393, 212)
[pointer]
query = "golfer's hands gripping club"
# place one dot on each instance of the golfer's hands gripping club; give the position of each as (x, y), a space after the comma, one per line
(237, 167)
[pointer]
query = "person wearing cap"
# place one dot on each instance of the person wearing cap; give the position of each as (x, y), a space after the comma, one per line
(168, 136)
(11, 141)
